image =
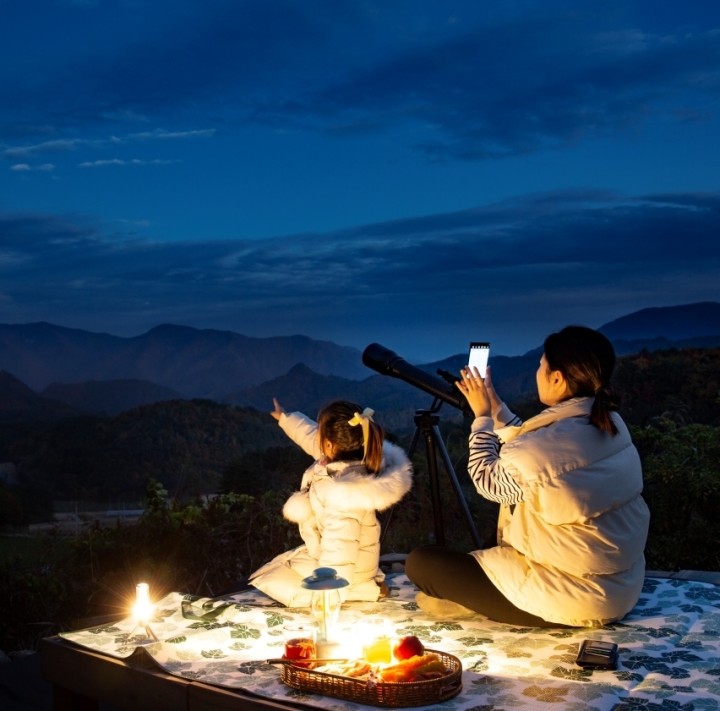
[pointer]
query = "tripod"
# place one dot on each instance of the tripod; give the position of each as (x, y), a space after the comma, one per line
(426, 424)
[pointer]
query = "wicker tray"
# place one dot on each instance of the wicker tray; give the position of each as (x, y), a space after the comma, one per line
(380, 693)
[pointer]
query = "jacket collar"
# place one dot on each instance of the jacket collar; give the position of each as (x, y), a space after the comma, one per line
(574, 407)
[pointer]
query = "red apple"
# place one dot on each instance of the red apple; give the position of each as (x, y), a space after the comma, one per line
(408, 646)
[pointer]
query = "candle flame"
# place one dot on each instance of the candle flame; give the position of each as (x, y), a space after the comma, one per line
(143, 609)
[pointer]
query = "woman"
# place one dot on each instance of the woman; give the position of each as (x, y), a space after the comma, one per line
(573, 523)
(355, 473)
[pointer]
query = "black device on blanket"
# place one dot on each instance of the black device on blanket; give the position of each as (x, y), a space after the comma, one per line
(597, 654)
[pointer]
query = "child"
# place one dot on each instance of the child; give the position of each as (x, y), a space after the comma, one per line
(355, 474)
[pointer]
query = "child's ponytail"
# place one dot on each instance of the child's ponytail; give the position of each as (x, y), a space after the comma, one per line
(373, 437)
(353, 432)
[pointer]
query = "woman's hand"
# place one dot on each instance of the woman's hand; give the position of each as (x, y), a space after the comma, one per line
(495, 400)
(479, 397)
(279, 409)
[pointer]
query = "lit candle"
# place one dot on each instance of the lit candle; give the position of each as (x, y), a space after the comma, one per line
(143, 610)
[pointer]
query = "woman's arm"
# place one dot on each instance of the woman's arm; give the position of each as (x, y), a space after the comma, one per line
(486, 469)
(484, 464)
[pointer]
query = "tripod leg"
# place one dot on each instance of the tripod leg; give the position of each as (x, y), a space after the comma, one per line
(456, 487)
(386, 516)
(434, 487)
(426, 422)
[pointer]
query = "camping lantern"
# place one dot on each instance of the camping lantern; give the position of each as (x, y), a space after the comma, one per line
(325, 602)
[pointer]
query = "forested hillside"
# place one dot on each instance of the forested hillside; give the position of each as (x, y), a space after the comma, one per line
(682, 385)
(184, 444)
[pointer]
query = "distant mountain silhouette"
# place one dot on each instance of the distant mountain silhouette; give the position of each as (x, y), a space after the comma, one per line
(100, 373)
(304, 390)
(109, 397)
(669, 323)
(396, 400)
(18, 403)
(196, 363)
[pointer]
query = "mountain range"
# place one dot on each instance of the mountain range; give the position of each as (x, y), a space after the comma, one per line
(51, 372)
(194, 362)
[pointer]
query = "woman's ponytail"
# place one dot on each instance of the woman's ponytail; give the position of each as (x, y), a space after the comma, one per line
(587, 360)
(602, 408)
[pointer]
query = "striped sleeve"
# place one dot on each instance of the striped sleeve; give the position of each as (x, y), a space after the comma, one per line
(487, 471)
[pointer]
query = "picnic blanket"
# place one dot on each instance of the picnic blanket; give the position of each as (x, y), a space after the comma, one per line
(669, 650)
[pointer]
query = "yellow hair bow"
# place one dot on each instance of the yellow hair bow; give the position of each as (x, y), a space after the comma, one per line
(363, 419)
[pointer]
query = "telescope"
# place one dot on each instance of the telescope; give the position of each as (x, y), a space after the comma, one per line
(386, 362)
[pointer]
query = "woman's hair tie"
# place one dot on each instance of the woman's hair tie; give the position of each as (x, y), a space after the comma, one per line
(607, 397)
(363, 419)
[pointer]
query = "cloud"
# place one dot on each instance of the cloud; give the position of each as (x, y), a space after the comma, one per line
(163, 135)
(26, 168)
(345, 112)
(514, 267)
(180, 56)
(69, 145)
(122, 162)
(55, 146)
(500, 91)
(480, 85)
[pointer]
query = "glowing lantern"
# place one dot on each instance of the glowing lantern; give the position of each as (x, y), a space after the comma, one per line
(325, 602)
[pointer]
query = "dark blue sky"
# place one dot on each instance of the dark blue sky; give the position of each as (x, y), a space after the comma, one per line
(411, 172)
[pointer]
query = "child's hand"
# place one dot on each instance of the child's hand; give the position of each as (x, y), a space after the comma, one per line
(279, 409)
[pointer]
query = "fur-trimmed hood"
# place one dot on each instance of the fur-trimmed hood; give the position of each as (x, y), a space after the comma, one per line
(346, 486)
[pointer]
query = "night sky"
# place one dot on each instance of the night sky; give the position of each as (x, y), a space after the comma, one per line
(415, 173)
